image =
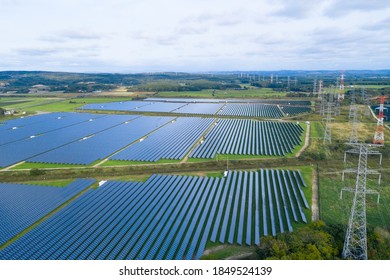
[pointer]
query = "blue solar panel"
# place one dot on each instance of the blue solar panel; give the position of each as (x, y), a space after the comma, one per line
(243, 208)
(104, 143)
(276, 196)
(248, 137)
(249, 108)
(161, 144)
(51, 122)
(165, 217)
(199, 108)
(257, 208)
(195, 211)
(234, 213)
(22, 205)
(228, 208)
(38, 144)
(249, 231)
(204, 100)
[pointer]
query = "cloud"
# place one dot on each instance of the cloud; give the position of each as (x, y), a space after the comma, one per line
(156, 39)
(230, 18)
(294, 9)
(36, 51)
(381, 25)
(71, 35)
(190, 30)
(5, 3)
(339, 8)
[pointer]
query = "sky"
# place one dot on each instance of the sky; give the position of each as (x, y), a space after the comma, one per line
(128, 36)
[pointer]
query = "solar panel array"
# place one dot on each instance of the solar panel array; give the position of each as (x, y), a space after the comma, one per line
(206, 100)
(20, 129)
(249, 137)
(23, 205)
(36, 144)
(251, 110)
(242, 108)
(135, 106)
(74, 138)
(24, 121)
(117, 106)
(172, 141)
(199, 108)
(104, 143)
(288, 110)
(167, 217)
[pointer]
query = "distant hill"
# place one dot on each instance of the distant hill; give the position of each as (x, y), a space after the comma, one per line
(290, 80)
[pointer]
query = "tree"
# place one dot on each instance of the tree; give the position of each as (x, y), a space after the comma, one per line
(309, 243)
(2, 111)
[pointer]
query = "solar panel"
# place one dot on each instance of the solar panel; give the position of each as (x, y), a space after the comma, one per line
(165, 217)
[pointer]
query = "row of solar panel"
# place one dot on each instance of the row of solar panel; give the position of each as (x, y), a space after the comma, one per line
(251, 110)
(295, 110)
(173, 141)
(104, 143)
(204, 100)
(25, 128)
(227, 109)
(77, 138)
(23, 205)
(74, 138)
(167, 217)
(249, 137)
(36, 144)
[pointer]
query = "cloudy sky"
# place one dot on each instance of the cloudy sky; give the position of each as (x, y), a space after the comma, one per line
(193, 35)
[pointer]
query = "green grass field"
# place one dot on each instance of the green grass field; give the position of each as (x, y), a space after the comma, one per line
(31, 165)
(336, 211)
(133, 162)
(22, 104)
(372, 86)
(72, 104)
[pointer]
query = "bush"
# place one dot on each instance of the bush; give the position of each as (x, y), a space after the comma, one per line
(36, 172)
(309, 243)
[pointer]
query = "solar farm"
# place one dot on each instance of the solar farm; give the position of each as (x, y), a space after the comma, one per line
(164, 216)
(177, 166)
(242, 108)
(83, 138)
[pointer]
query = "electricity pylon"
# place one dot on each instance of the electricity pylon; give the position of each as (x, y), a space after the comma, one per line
(355, 244)
(328, 131)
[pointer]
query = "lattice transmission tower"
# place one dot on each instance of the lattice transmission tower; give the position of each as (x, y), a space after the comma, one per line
(379, 137)
(322, 97)
(341, 87)
(328, 131)
(355, 244)
(354, 137)
(353, 104)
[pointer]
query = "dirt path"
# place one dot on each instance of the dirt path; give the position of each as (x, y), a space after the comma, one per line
(213, 250)
(307, 138)
(315, 216)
